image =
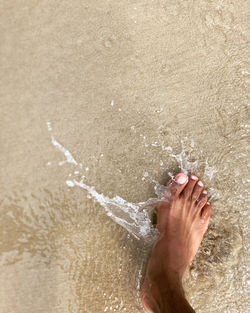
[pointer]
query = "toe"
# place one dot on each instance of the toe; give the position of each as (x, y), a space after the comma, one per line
(188, 190)
(197, 191)
(176, 185)
(205, 216)
(202, 200)
(206, 211)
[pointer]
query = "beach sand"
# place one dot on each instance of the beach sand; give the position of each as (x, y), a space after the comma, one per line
(99, 100)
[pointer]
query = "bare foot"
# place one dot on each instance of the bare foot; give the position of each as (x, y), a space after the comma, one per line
(182, 220)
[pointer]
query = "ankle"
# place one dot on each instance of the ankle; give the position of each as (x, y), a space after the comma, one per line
(169, 284)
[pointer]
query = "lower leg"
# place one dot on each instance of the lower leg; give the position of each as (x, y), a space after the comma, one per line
(164, 292)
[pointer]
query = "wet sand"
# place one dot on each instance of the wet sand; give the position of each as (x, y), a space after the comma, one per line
(134, 91)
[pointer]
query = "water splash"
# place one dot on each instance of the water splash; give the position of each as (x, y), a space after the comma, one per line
(183, 158)
(134, 217)
(185, 163)
(68, 155)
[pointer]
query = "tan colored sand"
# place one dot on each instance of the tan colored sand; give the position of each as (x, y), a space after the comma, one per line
(118, 80)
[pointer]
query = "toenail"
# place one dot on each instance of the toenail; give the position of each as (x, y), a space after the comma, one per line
(181, 178)
(208, 203)
(200, 184)
(194, 177)
(204, 192)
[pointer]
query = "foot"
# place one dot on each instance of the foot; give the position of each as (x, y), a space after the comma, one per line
(182, 220)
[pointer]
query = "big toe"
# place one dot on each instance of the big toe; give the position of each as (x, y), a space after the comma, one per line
(176, 185)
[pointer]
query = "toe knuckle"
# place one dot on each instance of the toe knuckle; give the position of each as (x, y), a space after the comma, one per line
(194, 197)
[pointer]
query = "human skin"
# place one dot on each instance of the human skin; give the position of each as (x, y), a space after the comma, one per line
(182, 220)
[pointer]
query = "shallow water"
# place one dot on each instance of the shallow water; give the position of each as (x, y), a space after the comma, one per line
(101, 103)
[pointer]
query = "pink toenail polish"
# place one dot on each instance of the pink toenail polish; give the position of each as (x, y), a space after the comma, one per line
(181, 179)
(194, 177)
(204, 192)
(200, 184)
